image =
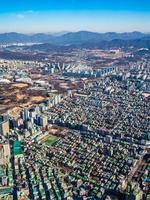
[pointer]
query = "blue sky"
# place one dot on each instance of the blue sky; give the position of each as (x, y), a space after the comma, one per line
(30, 16)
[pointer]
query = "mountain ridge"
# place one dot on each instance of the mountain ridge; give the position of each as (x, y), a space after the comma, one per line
(70, 38)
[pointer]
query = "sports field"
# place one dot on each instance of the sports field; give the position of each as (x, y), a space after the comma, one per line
(50, 140)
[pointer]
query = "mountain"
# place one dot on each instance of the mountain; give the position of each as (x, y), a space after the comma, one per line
(111, 44)
(82, 36)
(9, 38)
(116, 43)
(59, 33)
(13, 38)
(41, 38)
(71, 38)
(78, 37)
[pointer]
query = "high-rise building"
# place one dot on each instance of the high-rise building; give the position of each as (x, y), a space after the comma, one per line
(43, 121)
(108, 139)
(4, 127)
(25, 114)
(4, 154)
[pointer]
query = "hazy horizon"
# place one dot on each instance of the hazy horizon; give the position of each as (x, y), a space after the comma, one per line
(65, 32)
(73, 15)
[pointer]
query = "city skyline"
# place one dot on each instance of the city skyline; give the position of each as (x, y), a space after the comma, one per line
(57, 16)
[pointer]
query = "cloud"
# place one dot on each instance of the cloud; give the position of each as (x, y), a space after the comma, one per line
(20, 16)
(30, 11)
(26, 14)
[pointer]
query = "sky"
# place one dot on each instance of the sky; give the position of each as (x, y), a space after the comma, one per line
(50, 16)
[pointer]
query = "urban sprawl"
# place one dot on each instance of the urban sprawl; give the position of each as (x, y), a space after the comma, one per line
(74, 129)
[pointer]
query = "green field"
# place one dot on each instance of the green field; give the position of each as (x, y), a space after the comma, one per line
(50, 140)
